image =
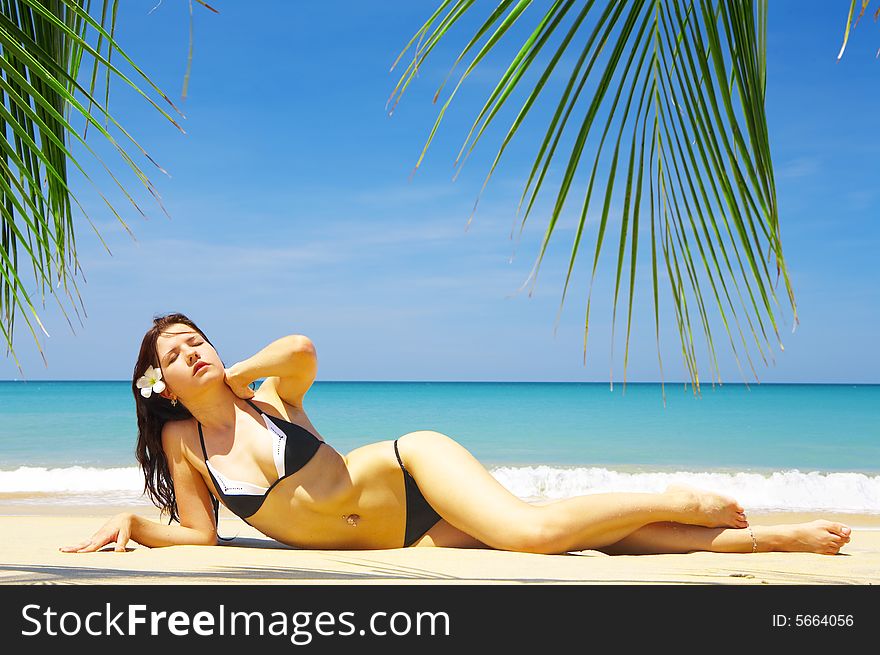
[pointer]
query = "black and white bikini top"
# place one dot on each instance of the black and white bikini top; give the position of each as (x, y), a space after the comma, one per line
(293, 448)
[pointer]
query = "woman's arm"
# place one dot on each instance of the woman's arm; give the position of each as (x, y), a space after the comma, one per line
(291, 361)
(127, 526)
(154, 535)
(197, 526)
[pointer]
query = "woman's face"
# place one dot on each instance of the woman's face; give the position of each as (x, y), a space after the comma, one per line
(182, 354)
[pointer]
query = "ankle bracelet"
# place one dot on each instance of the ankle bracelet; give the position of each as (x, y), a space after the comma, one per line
(754, 541)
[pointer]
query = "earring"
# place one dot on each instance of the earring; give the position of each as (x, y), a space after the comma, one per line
(174, 401)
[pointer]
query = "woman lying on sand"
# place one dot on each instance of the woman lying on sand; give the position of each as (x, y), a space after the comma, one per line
(204, 434)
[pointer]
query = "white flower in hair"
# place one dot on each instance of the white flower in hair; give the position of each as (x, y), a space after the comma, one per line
(151, 381)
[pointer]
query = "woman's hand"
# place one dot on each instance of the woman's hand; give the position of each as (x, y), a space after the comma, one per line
(117, 529)
(238, 381)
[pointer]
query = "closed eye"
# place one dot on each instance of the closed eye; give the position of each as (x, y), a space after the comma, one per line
(174, 356)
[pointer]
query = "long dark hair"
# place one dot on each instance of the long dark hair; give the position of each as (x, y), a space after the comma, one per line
(152, 414)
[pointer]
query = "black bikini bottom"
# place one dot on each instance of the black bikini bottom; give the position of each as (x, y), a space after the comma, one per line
(420, 516)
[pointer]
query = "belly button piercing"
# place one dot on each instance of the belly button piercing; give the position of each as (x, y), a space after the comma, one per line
(351, 519)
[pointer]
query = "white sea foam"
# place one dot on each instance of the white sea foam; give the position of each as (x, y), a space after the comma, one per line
(790, 490)
(73, 485)
(40, 479)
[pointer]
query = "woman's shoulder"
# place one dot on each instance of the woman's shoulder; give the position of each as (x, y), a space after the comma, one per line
(286, 411)
(180, 435)
(268, 394)
(176, 430)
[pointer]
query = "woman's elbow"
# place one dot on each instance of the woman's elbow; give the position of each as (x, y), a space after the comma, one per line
(203, 538)
(301, 343)
(200, 536)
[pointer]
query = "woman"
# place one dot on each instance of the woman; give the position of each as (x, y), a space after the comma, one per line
(204, 434)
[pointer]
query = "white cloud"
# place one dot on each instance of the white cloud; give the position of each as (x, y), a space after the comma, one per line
(798, 168)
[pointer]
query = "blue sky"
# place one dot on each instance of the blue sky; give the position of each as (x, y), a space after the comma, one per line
(293, 210)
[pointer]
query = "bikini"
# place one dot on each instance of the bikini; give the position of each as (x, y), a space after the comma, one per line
(294, 447)
(420, 516)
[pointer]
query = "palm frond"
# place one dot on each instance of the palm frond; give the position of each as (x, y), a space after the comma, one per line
(44, 47)
(674, 121)
(849, 23)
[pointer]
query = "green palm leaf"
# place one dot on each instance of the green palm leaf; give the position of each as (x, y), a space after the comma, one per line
(43, 46)
(674, 122)
(849, 23)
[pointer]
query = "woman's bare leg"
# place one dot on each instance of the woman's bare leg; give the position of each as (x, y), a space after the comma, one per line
(818, 536)
(467, 496)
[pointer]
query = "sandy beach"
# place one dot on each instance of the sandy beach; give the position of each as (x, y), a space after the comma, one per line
(33, 533)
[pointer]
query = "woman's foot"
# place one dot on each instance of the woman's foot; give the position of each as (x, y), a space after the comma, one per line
(706, 508)
(820, 536)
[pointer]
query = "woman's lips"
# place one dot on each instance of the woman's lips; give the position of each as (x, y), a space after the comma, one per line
(199, 366)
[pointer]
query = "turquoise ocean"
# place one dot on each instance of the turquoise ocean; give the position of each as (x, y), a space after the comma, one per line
(791, 447)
